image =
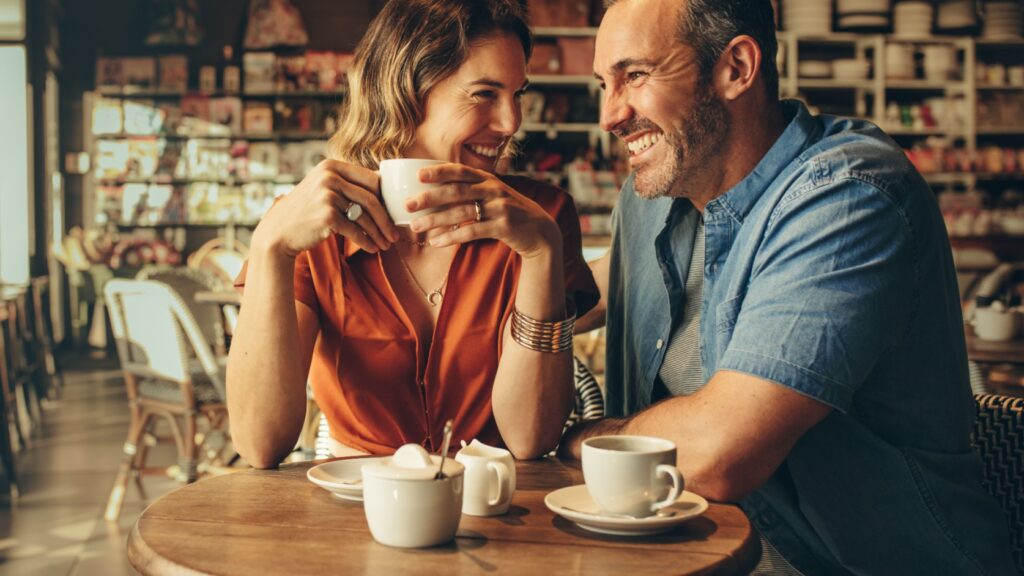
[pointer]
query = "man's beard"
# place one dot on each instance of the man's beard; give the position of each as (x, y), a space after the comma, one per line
(688, 147)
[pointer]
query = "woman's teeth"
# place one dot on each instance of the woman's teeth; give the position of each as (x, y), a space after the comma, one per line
(643, 143)
(484, 150)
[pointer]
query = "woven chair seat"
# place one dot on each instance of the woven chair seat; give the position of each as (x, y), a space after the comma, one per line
(999, 439)
(202, 387)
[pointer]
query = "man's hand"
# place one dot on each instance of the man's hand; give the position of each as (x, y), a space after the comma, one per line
(572, 442)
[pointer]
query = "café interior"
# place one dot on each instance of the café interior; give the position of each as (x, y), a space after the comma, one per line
(148, 139)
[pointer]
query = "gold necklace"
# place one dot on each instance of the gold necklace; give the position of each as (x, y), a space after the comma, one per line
(434, 297)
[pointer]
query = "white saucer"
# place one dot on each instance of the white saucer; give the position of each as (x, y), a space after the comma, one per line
(574, 503)
(343, 478)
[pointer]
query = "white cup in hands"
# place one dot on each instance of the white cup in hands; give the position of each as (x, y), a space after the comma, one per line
(490, 479)
(399, 181)
(405, 505)
(631, 475)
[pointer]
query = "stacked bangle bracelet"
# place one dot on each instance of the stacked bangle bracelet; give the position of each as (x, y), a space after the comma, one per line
(541, 335)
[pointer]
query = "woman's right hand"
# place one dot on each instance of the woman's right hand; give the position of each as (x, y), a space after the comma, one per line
(319, 206)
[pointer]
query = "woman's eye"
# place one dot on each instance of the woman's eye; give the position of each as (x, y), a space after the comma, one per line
(485, 94)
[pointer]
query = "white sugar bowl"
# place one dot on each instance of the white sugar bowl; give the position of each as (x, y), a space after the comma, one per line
(405, 505)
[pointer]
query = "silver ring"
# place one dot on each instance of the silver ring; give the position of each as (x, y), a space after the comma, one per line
(353, 212)
(479, 206)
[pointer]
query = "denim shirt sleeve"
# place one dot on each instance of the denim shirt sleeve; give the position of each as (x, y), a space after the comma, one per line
(830, 289)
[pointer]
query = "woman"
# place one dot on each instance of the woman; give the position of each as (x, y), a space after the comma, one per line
(401, 330)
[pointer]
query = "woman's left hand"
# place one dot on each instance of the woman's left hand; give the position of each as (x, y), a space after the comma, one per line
(474, 204)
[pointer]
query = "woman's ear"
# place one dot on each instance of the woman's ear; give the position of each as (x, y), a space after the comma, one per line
(738, 68)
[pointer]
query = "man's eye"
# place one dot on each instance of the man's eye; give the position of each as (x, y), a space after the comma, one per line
(634, 77)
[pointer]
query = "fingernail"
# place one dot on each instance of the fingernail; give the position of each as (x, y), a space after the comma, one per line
(411, 205)
(416, 226)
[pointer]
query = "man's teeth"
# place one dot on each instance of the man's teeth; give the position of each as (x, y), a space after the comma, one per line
(484, 150)
(643, 143)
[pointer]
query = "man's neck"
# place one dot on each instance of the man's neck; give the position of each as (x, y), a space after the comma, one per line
(751, 136)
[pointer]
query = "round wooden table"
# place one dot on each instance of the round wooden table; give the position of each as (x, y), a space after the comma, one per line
(277, 522)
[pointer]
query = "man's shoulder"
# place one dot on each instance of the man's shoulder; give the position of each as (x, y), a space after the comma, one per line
(853, 153)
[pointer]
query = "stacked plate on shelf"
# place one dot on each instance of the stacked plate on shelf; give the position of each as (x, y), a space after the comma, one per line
(899, 61)
(913, 19)
(1003, 20)
(861, 14)
(851, 69)
(956, 14)
(808, 17)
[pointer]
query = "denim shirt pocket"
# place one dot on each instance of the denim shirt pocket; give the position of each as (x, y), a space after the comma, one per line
(726, 313)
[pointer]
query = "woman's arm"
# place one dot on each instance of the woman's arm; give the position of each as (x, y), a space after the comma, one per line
(269, 361)
(533, 391)
(275, 337)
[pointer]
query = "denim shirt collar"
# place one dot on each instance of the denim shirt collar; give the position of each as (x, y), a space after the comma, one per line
(741, 198)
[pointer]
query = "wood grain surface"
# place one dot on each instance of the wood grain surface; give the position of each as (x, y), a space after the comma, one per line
(277, 522)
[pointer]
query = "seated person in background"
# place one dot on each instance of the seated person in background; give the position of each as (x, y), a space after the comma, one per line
(782, 304)
(402, 329)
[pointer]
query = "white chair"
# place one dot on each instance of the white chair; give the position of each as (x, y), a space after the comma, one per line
(169, 371)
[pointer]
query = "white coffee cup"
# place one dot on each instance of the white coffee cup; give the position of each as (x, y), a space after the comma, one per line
(406, 506)
(490, 479)
(995, 323)
(624, 474)
(400, 180)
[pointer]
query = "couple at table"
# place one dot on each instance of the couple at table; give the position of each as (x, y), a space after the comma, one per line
(780, 298)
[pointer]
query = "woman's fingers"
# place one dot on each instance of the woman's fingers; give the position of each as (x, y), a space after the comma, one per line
(448, 217)
(463, 233)
(364, 210)
(340, 224)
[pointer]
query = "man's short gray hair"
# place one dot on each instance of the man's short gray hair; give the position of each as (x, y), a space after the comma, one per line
(709, 25)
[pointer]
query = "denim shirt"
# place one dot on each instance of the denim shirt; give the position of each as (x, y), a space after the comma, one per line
(827, 270)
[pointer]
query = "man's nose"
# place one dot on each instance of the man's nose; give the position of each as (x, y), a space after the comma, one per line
(615, 111)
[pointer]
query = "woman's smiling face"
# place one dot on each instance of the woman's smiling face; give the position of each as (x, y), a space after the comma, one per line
(471, 116)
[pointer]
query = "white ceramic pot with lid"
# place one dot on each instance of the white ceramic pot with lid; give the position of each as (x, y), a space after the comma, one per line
(406, 505)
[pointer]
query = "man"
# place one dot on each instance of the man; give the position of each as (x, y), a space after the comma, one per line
(783, 284)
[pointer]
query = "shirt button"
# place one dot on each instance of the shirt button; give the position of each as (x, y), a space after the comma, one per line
(659, 343)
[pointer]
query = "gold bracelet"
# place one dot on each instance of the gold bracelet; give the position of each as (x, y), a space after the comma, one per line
(541, 335)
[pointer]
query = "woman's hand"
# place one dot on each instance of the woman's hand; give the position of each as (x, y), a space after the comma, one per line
(334, 198)
(504, 214)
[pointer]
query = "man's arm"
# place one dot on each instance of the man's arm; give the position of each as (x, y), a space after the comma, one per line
(595, 318)
(730, 436)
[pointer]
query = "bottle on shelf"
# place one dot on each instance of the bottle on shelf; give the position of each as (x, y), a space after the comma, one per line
(232, 74)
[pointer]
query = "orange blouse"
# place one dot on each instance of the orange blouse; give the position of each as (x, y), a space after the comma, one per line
(365, 366)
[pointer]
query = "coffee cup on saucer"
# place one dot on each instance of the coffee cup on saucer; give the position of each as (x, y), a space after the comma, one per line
(631, 475)
(490, 479)
(406, 505)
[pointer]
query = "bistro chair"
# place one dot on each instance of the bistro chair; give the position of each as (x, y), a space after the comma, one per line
(48, 363)
(221, 257)
(999, 438)
(187, 282)
(170, 372)
(8, 442)
(589, 398)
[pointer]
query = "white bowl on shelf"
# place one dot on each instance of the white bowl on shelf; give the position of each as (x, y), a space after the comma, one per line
(815, 69)
(850, 69)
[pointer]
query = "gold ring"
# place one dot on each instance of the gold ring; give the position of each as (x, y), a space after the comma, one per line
(479, 206)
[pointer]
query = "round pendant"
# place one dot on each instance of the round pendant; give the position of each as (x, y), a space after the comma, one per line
(435, 297)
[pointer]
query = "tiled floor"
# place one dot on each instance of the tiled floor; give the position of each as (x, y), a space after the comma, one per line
(56, 527)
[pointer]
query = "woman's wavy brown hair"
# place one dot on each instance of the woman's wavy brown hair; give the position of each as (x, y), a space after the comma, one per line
(410, 47)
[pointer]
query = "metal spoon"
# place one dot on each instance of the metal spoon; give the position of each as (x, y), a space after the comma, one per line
(444, 449)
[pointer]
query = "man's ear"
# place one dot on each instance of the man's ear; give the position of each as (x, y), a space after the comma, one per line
(738, 68)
